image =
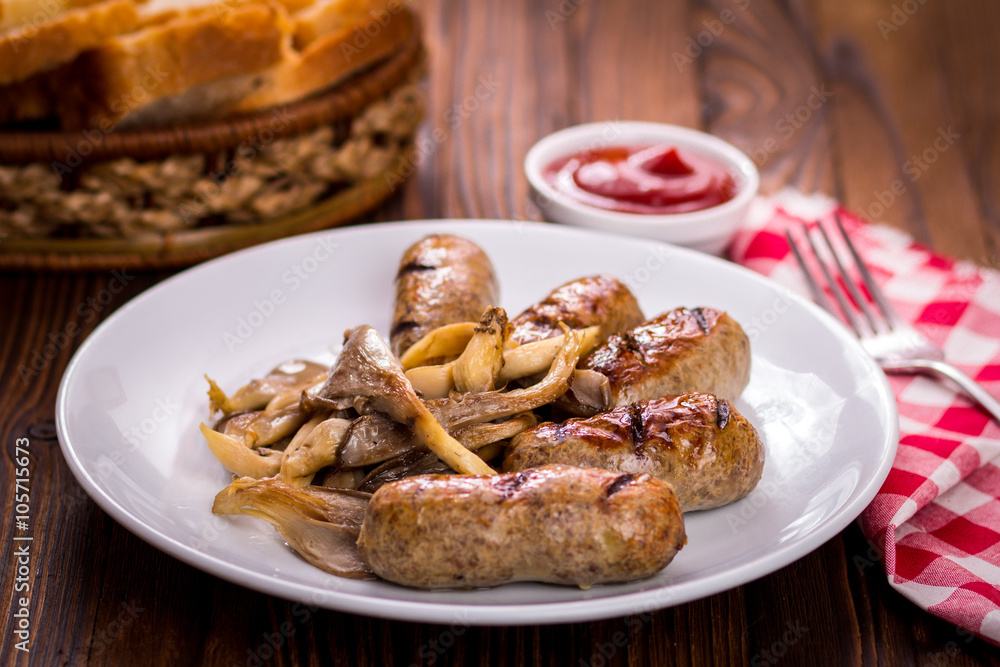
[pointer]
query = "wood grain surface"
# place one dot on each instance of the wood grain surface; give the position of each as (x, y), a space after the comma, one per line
(893, 107)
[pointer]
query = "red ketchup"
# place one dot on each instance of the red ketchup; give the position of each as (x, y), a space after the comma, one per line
(654, 180)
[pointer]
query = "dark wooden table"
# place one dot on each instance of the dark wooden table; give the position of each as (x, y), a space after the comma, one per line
(891, 106)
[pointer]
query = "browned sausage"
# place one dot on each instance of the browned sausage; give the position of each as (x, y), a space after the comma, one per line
(442, 279)
(708, 451)
(557, 524)
(602, 300)
(686, 349)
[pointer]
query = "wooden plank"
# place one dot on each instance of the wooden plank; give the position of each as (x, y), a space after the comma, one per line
(897, 140)
(527, 70)
(965, 45)
(748, 83)
(763, 89)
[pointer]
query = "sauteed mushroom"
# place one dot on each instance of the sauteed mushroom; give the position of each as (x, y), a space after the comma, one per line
(321, 524)
(292, 376)
(368, 377)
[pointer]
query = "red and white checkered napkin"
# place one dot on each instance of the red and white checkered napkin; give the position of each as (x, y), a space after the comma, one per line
(936, 520)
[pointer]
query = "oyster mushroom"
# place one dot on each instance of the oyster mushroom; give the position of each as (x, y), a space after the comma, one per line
(292, 376)
(239, 440)
(369, 378)
(375, 438)
(536, 357)
(406, 465)
(378, 436)
(459, 410)
(321, 524)
(589, 393)
(523, 361)
(238, 458)
(314, 447)
(440, 344)
(477, 368)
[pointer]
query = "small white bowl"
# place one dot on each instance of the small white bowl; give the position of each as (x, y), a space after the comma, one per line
(708, 230)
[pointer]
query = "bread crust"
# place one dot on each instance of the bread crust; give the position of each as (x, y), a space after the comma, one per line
(329, 59)
(129, 72)
(178, 65)
(43, 45)
(332, 17)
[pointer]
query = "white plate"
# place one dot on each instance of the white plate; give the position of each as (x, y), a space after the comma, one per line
(133, 395)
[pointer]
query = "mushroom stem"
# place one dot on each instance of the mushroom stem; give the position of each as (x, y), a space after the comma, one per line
(441, 343)
(236, 457)
(536, 357)
(368, 377)
(477, 368)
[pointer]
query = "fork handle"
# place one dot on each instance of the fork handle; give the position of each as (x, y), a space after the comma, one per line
(946, 370)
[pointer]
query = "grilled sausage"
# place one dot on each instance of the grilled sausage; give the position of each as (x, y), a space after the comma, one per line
(686, 349)
(442, 279)
(557, 524)
(580, 303)
(701, 445)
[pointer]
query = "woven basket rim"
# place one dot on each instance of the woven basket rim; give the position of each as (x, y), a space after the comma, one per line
(338, 103)
(191, 246)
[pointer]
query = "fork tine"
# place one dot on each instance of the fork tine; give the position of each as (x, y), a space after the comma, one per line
(887, 310)
(835, 288)
(814, 287)
(859, 300)
(814, 283)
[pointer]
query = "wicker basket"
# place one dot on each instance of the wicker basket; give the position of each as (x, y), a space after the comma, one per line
(174, 196)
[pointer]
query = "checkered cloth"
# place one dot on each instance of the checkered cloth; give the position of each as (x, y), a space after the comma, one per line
(936, 520)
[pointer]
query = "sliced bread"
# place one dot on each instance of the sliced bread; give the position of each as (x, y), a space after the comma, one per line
(329, 55)
(56, 32)
(183, 63)
(322, 44)
(130, 72)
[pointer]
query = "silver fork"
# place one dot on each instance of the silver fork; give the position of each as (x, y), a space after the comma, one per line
(895, 345)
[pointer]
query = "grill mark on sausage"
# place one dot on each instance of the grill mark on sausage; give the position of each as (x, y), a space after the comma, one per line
(722, 411)
(400, 327)
(629, 343)
(699, 317)
(618, 483)
(414, 266)
(636, 428)
(508, 486)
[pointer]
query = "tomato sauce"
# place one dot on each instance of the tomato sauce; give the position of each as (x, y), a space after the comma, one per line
(653, 179)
